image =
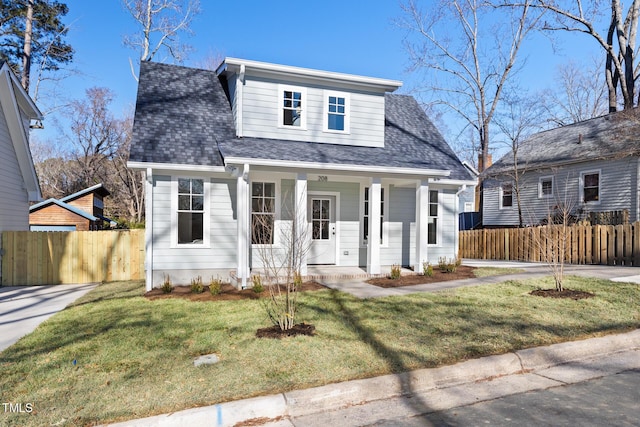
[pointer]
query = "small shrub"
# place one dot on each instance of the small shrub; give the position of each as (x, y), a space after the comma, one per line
(427, 269)
(196, 285)
(215, 285)
(449, 265)
(258, 287)
(166, 286)
(395, 272)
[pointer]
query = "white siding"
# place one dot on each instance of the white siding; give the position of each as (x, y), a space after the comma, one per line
(262, 101)
(14, 200)
(618, 191)
(221, 254)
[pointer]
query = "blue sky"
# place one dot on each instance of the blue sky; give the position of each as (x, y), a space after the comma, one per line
(349, 36)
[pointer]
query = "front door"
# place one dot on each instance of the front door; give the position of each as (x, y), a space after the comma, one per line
(322, 227)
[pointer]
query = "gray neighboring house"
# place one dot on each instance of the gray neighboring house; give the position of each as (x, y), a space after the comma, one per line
(227, 153)
(18, 180)
(592, 166)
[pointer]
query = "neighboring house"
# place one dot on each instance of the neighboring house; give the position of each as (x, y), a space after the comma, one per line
(18, 179)
(590, 167)
(81, 211)
(234, 157)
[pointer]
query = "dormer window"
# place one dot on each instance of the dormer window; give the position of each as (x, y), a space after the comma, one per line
(293, 107)
(336, 112)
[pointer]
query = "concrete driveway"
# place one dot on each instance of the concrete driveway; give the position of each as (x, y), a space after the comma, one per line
(23, 308)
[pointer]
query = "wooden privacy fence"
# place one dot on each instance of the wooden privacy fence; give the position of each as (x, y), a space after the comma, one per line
(51, 258)
(585, 244)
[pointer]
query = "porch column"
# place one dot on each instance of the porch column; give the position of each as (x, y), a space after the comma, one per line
(422, 224)
(148, 232)
(301, 241)
(243, 213)
(373, 246)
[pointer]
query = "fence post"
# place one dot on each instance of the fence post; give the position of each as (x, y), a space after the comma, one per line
(506, 245)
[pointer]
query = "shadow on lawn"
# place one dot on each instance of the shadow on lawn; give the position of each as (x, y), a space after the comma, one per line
(472, 321)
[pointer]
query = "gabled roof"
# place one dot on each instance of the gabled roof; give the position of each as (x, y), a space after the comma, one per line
(181, 114)
(67, 206)
(14, 100)
(98, 189)
(183, 117)
(615, 135)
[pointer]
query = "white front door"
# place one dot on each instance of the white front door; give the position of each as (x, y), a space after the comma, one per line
(322, 228)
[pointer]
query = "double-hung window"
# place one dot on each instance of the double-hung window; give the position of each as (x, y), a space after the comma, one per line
(365, 218)
(292, 111)
(590, 186)
(191, 212)
(432, 225)
(336, 115)
(506, 196)
(545, 187)
(263, 211)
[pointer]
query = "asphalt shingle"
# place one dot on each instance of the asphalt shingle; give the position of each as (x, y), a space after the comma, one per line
(611, 136)
(183, 117)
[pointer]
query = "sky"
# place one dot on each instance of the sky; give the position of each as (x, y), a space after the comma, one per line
(349, 36)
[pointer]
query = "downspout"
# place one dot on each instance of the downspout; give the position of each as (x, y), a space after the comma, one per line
(149, 229)
(456, 244)
(239, 99)
(638, 192)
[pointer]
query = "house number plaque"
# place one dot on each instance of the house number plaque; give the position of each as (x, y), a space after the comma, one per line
(323, 178)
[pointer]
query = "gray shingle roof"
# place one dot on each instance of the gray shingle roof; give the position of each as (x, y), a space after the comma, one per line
(170, 104)
(180, 114)
(611, 136)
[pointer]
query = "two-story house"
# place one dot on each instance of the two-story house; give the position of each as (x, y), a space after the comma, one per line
(234, 157)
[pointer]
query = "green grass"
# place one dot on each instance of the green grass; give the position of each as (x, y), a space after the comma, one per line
(135, 357)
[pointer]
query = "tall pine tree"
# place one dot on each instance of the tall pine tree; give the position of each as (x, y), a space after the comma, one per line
(32, 32)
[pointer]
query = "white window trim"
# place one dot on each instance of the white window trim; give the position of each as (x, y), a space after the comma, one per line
(546, 196)
(590, 172)
(347, 112)
(385, 216)
(502, 196)
(280, 100)
(277, 238)
(206, 216)
(438, 218)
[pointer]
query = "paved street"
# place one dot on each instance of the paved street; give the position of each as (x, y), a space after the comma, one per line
(610, 400)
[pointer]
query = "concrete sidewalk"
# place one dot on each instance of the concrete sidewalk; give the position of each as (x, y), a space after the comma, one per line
(23, 308)
(359, 402)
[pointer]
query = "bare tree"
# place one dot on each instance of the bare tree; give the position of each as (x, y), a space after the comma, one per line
(282, 263)
(128, 187)
(520, 117)
(470, 48)
(95, 134)
(582, 94)
(618, 43)
(160, 24)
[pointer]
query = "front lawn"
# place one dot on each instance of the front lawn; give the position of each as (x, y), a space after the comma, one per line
(116, 355)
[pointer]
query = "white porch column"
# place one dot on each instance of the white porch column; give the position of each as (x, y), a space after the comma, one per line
(301, 241)
(422, 224)
(243, 211)
(148, 232)
(373, 251)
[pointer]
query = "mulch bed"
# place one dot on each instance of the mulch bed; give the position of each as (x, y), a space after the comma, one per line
(463, 272)
(227, 293)
(565, 293)
(276, 332)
